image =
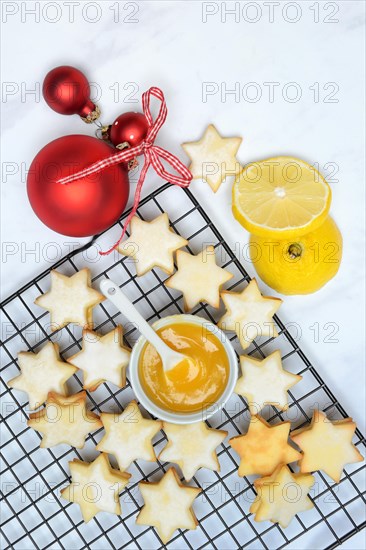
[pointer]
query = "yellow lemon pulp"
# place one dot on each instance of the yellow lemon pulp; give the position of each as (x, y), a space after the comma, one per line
(301, 265)
(280, 197)
(195, 383)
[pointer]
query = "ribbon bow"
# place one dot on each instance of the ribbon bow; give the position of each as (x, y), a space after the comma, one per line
(153, 155)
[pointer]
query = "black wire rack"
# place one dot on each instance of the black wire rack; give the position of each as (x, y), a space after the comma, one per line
(32, 513)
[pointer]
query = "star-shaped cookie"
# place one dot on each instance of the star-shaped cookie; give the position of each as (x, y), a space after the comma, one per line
(199, 278)
(102, 359)
(265, 382)
(70, 299)
(213, 157)
(249, 314)
(281, 496)
(152, 244)
(41, 373)
(327, 445)
(64, 420)
(263, 447)
(95, 486)
(128, 435)
(168, 505)
(192, 446)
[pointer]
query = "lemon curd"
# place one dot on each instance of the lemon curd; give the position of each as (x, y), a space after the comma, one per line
(192, 385)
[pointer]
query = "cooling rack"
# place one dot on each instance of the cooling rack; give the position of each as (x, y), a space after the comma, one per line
(32, 513)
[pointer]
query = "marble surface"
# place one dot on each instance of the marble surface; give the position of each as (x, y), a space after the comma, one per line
(287, 78)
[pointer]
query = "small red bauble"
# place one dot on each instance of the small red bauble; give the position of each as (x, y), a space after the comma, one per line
(67, 91)
(130, 128)
(85, 206)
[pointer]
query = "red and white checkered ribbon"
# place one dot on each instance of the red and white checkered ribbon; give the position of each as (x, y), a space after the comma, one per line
(153, 155)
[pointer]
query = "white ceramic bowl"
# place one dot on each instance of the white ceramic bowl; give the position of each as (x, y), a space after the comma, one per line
(184, 418)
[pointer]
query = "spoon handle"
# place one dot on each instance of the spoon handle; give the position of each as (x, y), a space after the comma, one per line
(112, 291)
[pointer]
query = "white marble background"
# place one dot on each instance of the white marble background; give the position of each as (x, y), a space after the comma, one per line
(186, 47)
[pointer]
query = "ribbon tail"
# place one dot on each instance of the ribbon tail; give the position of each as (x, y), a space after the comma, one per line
(136, 201)
(96, 167)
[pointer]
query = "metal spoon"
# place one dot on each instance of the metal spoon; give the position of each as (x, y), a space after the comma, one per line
(169, 357)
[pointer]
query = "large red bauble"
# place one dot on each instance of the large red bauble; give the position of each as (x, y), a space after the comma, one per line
(128, 128)
(67, 91)
(85, 206)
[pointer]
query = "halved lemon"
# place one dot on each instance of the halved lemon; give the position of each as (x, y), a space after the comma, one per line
(280, 196)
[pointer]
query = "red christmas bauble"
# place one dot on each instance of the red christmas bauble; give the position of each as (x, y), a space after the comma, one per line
(85, 206)
(128, 128)
(67, 91)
